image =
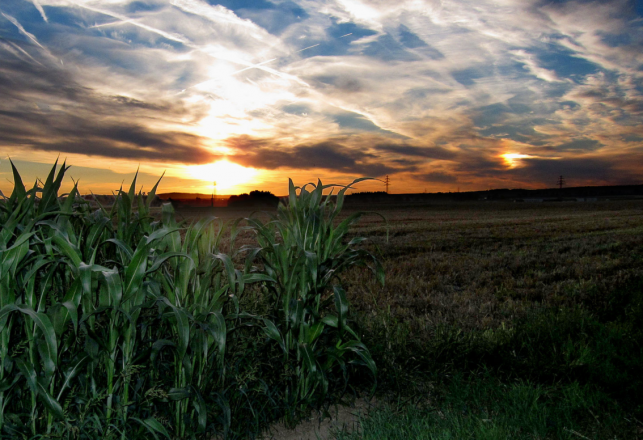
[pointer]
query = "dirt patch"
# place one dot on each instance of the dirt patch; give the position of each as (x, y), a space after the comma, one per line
(342, 417)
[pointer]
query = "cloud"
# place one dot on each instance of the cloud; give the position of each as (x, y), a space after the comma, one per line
(414, 151)
(40, 9)
(22, 30)
(436, 177)
(579, 171)
(580, 145)
(435, 92)
(330, 155)
(45, 109)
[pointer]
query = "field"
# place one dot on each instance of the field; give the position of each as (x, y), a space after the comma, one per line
(492, 306)
(489, 320)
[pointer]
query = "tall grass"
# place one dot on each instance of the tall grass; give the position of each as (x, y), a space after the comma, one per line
(116, 324)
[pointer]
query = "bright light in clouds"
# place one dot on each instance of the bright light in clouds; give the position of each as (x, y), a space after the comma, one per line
(226, 174)
(512, 160)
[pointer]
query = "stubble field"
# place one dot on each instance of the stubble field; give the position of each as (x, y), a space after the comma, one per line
(483, 300)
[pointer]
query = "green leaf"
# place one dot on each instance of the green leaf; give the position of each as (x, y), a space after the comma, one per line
(202, 411)
(273, 333)
(360, 349)
(28, 371)
(341, 305)
(158, 346)
(52, 404)
(72, 371)
(19, 192)
(153, 426)
(158, 261)
(182, 327)
(309, 357)
(48, 350)
(114, 286)
(152, 193)
(219, 333)
(179, 393)
(256, 277)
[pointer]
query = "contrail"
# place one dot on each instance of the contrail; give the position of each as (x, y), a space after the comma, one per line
(38, 6)
(169, 36)
(309, 47)
(14, 48)
(188, 43)
(113, 23)
(22, 30)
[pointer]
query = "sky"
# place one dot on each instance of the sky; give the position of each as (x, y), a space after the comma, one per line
(236, 95)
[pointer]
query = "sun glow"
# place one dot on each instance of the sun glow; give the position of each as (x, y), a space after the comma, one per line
(512, 160)
(223, 175)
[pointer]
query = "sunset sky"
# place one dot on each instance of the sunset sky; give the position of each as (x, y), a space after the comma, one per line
(439, 95)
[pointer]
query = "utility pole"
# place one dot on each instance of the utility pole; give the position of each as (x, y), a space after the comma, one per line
(214, 184)
(561, 182)
(387, 181)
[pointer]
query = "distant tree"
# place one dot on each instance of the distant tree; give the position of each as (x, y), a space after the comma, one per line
(255, 198)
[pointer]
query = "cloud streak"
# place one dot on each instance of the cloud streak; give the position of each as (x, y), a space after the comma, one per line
(433, 93)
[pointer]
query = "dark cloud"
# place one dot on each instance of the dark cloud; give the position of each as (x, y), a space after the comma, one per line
(475, 163)
(577, 171)
(425, 152)
(633, 138)
(45, 109)
(107, 148)
(346, 84)
(330, 155)
(580, 145)
(297, 109)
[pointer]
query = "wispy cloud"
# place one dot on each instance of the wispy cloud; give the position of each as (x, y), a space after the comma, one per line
(433, 93)
(38, 6)
(22, 30)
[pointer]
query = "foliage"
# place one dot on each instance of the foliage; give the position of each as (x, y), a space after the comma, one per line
(305, 253)
(482, 407)
(255, 198)
(114, 324)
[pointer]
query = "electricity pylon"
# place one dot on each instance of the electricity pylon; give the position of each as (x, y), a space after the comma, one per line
(387, 181)
(561, 182)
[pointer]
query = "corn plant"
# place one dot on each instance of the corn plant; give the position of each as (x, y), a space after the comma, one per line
(305, 252)
(118, 324)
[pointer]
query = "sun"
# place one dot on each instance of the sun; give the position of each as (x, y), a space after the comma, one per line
(222, 174)
(512, 160)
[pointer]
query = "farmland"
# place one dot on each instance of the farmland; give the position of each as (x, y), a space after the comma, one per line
(489, 306)
(495, 320)
(485, 302)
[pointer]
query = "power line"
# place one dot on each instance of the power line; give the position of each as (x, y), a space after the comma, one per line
(561, 182)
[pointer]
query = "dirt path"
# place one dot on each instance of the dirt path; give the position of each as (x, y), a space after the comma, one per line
(342, 417)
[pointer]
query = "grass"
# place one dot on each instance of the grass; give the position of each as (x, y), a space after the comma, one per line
(483, 407)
